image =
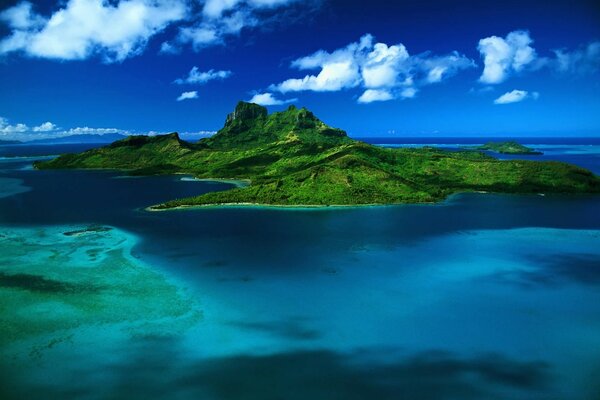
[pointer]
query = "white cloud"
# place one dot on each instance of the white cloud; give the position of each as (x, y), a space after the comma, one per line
(199, 78)
(371, 95)
(216, 8)
(339, 69)
(584, 60)
(515, 96)
(168, 48)
(438, 68)
(21, 16)
(118, 29)
(222, 18)
(408, 93)
(6, 128)
(46, 130)
(504, 56)
(267, 99)
(45, 127)
(333, 77)
(199, 36)
(188, 95)
(382, 65)
(92, 131)
(82, 28)
(386, 72)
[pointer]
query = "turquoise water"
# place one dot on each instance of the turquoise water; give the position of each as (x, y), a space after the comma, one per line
(479, 297)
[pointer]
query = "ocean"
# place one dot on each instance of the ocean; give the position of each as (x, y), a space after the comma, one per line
(482, 296)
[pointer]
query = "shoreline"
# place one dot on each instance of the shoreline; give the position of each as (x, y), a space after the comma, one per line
(287, 206)
(243, 183)
(321, 207)
(239, 183)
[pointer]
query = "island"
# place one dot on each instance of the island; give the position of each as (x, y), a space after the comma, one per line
(3, 142)
(510, 147)
(292, 158)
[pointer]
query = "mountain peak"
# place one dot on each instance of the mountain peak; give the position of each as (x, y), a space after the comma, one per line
(249, 125)
(245, 111)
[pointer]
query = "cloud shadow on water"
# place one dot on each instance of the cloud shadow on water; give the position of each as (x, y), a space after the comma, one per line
(554, 270)
(157, 368)
(291, 329)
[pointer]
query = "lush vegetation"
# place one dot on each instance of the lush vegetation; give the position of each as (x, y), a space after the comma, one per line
(510, 147)
(293, 158)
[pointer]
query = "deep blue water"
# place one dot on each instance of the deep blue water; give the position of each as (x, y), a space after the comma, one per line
(482, 296)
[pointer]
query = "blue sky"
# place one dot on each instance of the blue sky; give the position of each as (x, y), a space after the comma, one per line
(376, 68)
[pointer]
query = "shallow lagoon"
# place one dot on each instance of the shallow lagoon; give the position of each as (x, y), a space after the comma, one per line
(482, 296)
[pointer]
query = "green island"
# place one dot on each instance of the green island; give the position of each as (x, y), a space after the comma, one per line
(292, 158)
(510, 147)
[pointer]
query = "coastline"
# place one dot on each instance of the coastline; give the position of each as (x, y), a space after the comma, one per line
(238, 183)
(321, 207)
(286, 206)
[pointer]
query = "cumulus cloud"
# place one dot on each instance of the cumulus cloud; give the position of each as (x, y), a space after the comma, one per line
(198, 78)
(220, 19)
(584, 60)
(408, 93)
(515, 96)
(385, 72)
(48, 130)
(24, 132)
(504, 56)
(216, 8)
(45, 127)
(438, 68)
(118, 29)
(6, 128)
(199, 36)
(22, 16)
(82, 28)
(381, 67)
(334, 76)
(188, 95)
(267, 99)
(371, 95)
(86, 130)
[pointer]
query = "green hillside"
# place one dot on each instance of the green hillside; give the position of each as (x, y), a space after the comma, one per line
(292, 158)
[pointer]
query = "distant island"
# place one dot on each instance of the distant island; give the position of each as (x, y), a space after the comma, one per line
(292, 158)
(510, 147)
(2, 142)
(81, 138)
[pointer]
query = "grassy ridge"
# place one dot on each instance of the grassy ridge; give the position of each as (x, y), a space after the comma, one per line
(293, 158)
